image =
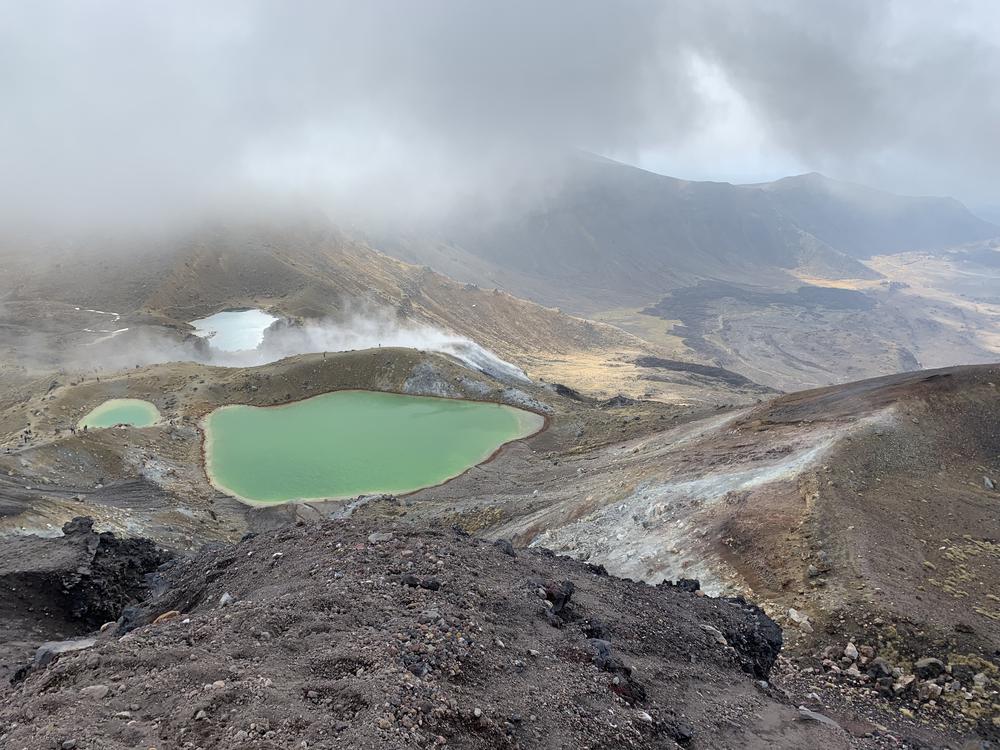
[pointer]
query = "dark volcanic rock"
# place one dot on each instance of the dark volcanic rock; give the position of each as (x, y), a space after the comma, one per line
(565, 390)
(708, 371)
(115, 576)
(593, 628)
(68, 585)
(755, 636)
(506, 547)
(559, 594)
(82, 576)
(688, 584)
(928, 668)
(879, 668)
(328, 648)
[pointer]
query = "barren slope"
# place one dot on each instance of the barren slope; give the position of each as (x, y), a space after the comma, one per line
(354, 636)
(613, 235)
(874, 495)
(57, 310)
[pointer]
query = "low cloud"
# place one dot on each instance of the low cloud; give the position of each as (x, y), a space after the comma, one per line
(121, 113)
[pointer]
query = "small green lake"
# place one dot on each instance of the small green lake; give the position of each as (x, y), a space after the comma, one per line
(351, 443)
(130, 411)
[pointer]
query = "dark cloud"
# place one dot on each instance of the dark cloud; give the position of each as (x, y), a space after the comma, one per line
(900, 94)
(122, 111)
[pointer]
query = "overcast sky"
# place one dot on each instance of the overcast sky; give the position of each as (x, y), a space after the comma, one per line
(151, 109)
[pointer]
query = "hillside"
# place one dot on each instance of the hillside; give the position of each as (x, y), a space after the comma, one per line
(305, 269)
(862, 505)
(899, 514)
(353, 635)
(613, 235)
(863, 222)
(793, 284)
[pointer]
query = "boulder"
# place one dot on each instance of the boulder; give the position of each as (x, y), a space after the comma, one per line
(506, 547)
(167, 616)
(928, 668)
(963, 673)
(879, 668)
(801, 619)
(903, 684)
(809, 715)
(559, 594)
(927, 691)
(756, 638)
(48, 651)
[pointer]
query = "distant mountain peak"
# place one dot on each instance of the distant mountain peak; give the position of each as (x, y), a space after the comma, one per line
(809, 177)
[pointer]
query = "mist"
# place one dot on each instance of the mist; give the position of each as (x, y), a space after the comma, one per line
(369, 331)
(121, 115)
(364, 326)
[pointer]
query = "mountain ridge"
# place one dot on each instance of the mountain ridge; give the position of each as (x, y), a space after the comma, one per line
(863, 221)
(613, 233)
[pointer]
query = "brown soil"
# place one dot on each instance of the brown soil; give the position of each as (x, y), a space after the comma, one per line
(899, 517)
(336, 637)
(892, 540)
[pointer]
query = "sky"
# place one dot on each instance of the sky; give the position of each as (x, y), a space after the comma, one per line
(115, 111)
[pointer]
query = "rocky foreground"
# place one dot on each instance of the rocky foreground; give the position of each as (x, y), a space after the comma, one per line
(54, 588)
(345, 635)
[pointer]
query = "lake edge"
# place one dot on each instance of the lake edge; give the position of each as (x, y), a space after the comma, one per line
(530, 423)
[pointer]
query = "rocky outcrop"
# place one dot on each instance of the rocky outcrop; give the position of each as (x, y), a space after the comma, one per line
(965, 685)
(84, 576)
(114, 576)
(68, 585)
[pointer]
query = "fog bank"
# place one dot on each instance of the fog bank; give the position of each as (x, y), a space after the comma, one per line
(121, 113)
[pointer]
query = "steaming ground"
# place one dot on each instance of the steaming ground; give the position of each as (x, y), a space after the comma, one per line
(110, 348)
(374, 331)
(286, 338)
(333, 294)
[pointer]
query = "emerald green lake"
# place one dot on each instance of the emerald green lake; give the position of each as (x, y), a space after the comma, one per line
(351, 443)
(130, 411)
